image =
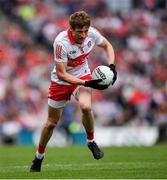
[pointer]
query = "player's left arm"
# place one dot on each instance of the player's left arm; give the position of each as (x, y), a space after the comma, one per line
(106, 45)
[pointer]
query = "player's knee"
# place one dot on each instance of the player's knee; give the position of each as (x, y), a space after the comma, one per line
(50, 124)
(85, 107)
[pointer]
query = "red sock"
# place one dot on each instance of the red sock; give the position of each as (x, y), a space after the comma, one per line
(90, 135)
(41, 149)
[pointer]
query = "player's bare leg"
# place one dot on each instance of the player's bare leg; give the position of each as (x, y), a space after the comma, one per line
(52, 120)
(84, 98)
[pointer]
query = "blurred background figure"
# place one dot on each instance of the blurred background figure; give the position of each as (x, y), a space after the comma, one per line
(133, 111)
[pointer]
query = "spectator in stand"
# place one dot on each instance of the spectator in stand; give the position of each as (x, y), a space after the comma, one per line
(126, 27)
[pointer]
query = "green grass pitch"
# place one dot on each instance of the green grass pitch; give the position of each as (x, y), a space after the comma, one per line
(76, 162)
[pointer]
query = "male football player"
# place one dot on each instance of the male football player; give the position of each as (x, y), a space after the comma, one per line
(71, 76)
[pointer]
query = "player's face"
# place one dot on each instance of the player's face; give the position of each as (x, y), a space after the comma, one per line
(80, 34)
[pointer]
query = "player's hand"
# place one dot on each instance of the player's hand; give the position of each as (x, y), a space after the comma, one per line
(94, 84)
(113, 69)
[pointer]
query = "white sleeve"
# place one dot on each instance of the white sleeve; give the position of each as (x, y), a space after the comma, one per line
(98, 37)
(60, 52)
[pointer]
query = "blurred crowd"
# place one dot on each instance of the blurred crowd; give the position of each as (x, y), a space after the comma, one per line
(136, 29)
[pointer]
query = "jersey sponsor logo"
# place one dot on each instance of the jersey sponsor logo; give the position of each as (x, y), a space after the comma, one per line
(72, 52)
(58, 51)
(77, 61)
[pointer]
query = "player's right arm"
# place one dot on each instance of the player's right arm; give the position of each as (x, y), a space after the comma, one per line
(64, 76)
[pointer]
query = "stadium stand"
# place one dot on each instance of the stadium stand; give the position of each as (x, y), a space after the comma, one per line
(136, 30)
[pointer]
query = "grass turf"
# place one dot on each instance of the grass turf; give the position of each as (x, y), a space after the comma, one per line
(76, 162)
